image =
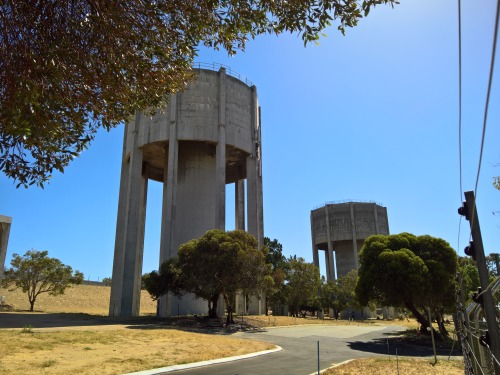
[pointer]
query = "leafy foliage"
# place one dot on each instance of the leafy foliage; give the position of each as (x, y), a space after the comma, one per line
(340, 294)
(36, 273)
(107, 281)
(70, 68)
(280, 269)
(302, 286)
(406, 270)
(217, 263)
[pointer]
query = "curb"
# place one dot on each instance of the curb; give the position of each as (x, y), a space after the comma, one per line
(204, 363)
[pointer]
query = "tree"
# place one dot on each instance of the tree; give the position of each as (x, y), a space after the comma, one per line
(302, 286)
(36, 273)
(340, 294)
(70, 68)
(279, 271)
(107, 281)
(406, 270)
(217, 263)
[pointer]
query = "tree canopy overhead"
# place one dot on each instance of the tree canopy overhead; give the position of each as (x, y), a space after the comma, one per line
(70, 68)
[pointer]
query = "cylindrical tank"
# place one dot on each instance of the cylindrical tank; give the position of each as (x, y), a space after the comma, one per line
(207, 137)
(342, 228)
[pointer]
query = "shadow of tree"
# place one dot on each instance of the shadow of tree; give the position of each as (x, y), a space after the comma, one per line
(20, 319)
(404, 347)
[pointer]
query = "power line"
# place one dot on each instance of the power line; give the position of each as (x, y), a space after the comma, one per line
(460, 96)
(492, 66)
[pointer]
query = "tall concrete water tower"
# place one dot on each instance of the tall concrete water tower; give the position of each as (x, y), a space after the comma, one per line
(342, 228)
(209, 136)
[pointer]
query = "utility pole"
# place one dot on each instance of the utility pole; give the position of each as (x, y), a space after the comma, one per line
(485, 298)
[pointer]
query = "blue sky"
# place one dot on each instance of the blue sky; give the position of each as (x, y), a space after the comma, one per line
(372, 115)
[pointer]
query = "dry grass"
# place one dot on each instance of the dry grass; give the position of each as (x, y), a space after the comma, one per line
(88, 299)
(108, 349)
(406, 366)
(111, 351)
(276, 321)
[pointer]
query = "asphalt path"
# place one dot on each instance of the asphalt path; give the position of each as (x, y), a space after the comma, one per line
(300, 349)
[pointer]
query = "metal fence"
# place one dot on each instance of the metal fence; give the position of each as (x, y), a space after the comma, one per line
(472, 332)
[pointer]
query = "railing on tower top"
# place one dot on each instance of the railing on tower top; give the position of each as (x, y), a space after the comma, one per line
(348, 201)
(229, 71)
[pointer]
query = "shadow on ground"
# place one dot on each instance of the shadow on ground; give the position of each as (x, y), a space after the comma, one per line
(21, 319)
(404, 347)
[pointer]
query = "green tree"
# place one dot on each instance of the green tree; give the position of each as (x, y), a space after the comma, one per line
(36, 273)
(279, 271)
(107, 281)
(217, 263)
(70, 68)
(302, 286)
(406, 270)
(340, 294)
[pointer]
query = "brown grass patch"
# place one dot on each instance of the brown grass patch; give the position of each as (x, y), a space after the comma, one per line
(111, 352)
(407, 366)
(276, 321)
(88, 299)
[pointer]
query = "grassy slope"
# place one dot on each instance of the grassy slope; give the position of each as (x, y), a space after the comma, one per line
(87, 299)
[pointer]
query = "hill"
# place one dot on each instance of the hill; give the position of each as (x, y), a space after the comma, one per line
(88, 299)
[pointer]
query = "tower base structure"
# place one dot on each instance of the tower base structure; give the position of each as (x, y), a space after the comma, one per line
(208, 137)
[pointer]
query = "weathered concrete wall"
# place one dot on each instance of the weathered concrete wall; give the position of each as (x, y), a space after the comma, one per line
(341, 229)
(207, 137)
(5, 223)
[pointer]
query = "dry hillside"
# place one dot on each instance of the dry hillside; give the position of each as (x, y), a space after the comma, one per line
(88, 299)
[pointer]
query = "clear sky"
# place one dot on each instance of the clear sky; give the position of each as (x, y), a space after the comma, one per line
(372, 115)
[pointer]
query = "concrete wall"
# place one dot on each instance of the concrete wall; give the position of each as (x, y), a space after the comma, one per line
(5, 223)
(340, 230)
(207, 137)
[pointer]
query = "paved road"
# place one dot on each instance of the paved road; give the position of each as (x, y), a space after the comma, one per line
(299, 355)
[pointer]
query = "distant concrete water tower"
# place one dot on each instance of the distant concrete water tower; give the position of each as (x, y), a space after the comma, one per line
(209, 136)
(342, 228)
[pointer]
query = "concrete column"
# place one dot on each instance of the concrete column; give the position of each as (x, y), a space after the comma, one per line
(127, 267)
(252, 175)
(251, 196)
(354, 240)
(117, 275)
(260, 199)
(375, 215)
(220, 157)
(5, 223)
(330, 268)
(314, 246)
(169, 200)
(239, 205)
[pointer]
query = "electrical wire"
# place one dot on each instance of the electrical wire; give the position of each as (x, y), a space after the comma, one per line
(460, 96)
(485, 117)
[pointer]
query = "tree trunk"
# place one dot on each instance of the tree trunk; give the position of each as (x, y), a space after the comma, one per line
(230, 300)
(212, 307)
(424, 323)
(440, 323)
(32, 305)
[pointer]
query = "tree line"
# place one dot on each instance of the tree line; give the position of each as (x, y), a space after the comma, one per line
(416, 274)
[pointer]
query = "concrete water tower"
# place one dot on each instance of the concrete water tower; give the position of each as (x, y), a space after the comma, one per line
(209, 136)
(342, 228)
